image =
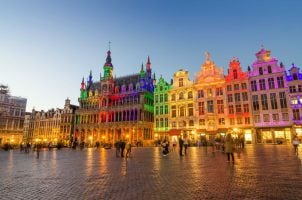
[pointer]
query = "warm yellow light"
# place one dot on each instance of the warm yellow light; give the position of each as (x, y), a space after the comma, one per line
(156, 135)
(103, 136)
(127, 135)
(12, 140)
(235, 129)
(36, 139)
(44, 139)
(90, 137)
(193, 132)
(56, 139)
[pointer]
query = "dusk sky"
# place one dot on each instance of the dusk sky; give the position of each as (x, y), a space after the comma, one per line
(46, 47)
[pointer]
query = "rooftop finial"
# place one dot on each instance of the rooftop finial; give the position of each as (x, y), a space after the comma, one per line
(208, 56)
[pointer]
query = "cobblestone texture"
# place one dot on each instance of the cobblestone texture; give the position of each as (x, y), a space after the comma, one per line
(259, 172)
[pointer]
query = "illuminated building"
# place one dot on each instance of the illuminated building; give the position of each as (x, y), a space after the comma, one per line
(269, 99)
(116, 108)
(210, 100)
(294, 80)
(12, 112)
(161, 109)
(54, 125)
(238, 102)
(181, 101)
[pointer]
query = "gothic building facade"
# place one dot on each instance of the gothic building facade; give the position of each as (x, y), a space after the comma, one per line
(116, 108)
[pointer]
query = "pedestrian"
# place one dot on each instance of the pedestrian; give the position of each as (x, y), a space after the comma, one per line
(117, 146)
(229, 147)
(174, 145)
(38, 147)
(128, 149)
(165, 146)
(296, 144)
(181, 143)
(186, 144)
(123, 144)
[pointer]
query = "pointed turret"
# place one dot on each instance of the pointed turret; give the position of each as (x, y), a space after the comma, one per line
(90, 77)
(83, 84)
(148, 65)
(108, 67)
(142, 72)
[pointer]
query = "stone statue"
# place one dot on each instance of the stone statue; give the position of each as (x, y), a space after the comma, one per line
(207, 56)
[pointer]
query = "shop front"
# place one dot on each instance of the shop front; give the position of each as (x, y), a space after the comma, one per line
(273, 135)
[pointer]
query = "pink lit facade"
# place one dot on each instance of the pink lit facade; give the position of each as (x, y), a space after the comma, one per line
(269, 100)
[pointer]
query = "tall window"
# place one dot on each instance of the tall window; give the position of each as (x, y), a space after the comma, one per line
(166, 109)
(220, 106)
(230, 98)
(173, 97)
(219, 91)
(161, 98)
(235, 74)
(157, 123)
(161, 110)
(231, 109)
(237, 97)
(190, 95)
(283, 102)
(182, 111)
(296, 114)
(247, 120)
(166, 97)
(238, 108)
(271, 83)
(254, 85)
(292, 89)
(280, 82)
(260, 70)
(200, 94)
(180, 82)
(166, 122)
(210, 105)
(221, 121)
(255, 102)
(201, 108)
(245, 96)
(173, 109)
(161, 122)
(264, 101)
(236, 87)
(156, 110)
(191, 123)
(156, 98)
(201, 122)
(262, 84)
(243, 86)
(269, 69)
(181, 96)
(246, 108)
(229, 88)
(273, 101)
(190, 109)
(295, 76)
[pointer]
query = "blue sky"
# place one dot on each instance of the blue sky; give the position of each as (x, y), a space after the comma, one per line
(46, 47)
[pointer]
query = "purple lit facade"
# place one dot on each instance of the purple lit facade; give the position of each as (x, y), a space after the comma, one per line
(294, 80)
(270, 100)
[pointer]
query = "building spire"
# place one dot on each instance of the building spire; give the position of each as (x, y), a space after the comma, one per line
(83, 84)
(148, 65)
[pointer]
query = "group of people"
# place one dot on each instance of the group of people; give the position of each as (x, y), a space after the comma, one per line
(120, 147)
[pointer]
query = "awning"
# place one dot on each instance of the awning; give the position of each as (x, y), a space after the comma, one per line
(174, 132)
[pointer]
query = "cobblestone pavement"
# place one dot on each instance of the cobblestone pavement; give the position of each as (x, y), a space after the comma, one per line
(259, 172)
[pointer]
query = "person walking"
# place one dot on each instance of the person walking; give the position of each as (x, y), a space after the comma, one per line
(181, 143)
(123, 144)
(128, 149)
(229, 147)
(186, 144)
(296, 144)
(117, 146)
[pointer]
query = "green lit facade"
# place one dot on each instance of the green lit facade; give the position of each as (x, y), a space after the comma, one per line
(161, 109)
